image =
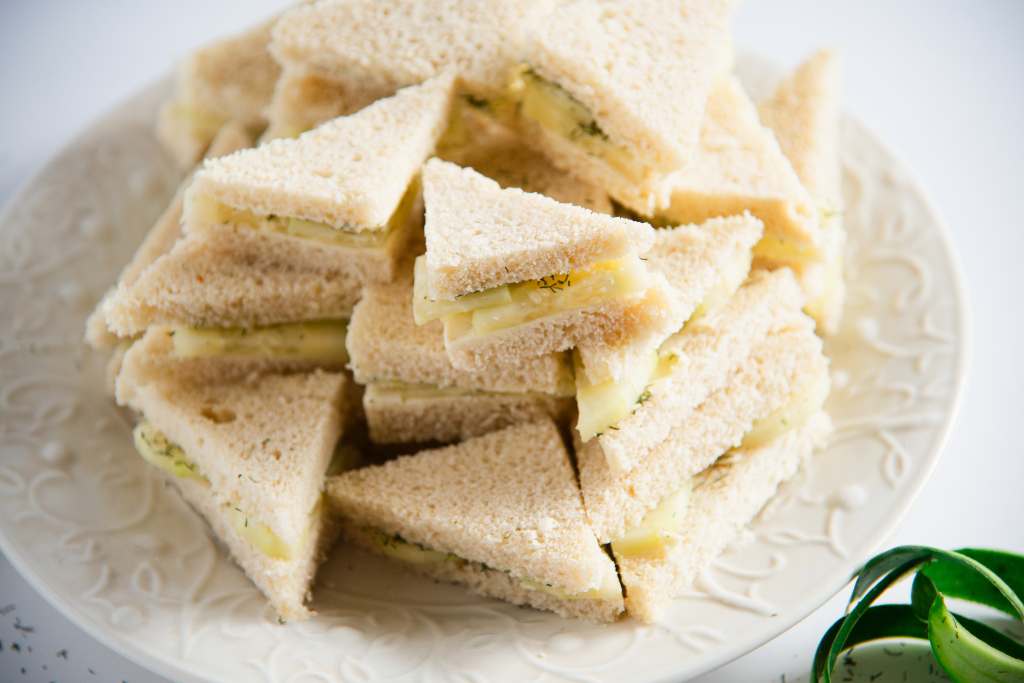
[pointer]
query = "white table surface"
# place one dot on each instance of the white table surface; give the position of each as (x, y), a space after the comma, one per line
(942, 81)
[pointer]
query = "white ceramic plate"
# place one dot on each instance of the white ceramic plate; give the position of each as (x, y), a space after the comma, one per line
(87, 522)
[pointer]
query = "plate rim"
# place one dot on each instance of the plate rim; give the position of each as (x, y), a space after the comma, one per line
(174, 669)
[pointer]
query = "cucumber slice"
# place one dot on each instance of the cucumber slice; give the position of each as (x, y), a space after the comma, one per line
(654, 536)
(155, 448)
(321, 341)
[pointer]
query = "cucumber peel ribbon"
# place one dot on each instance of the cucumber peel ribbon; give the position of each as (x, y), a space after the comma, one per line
(968, 650)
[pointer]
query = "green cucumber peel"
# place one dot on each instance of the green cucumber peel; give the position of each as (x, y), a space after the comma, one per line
(967, 649)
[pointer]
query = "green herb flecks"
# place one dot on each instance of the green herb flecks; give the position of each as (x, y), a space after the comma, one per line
(555, 283)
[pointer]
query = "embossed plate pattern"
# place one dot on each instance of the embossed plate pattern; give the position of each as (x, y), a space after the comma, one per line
(91, 527)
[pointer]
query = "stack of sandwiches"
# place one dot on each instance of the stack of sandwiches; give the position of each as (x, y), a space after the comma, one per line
(577, 278)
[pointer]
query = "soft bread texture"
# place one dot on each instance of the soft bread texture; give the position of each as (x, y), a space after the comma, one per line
(690, 258)
(640, 318)
(480, 235)
(228, 80)
(161, 237)
(778, 368)
(740, 166)
(157, 351)
(804, 115)
(264, 446)
(726, 497)
(303, 101)
(498, 584)
(706, 351)
(287, 584)
(500, 155)
(643, 69)
(235, 277)
(378, 46)
(351, 171)
(277, 431)
(446, 419)
(386, 345)
(507, 499)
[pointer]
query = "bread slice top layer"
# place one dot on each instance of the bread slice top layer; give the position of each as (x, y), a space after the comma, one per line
(263, 444)
(232, 78)
(692, 258)
(804, 115)
(235, 277)
(480, 235)
(508, 500)
(381, 45)
(643, 69)
(739, 159)
(350, 172)
(386, 345)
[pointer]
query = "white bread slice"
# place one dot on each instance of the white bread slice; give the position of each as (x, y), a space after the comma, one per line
(160, 238)
(378, 46)
(451, 417)
(157, 349)
(507, 500)
(349, 172)
(726, 498)
(778, 368)
(637, 319)
(691, 258)
(706, 351)
(264, 446)
(643, 69)
(386, 345)
(233, 277)
(740, 166)
(229, 80)
(480, 235)
(499, 154)
(302, 101)
(287, 584)
(804, 114)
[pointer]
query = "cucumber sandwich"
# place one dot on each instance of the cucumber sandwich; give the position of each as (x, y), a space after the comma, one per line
(500, 513)
(251, 457)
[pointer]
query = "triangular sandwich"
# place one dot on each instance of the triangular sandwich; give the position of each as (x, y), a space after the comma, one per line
(500, 513)
(251, 457)
(514, 274)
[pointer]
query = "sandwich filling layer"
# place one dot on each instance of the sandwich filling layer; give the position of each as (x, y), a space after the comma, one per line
(319, 341)
(203, 123)
(156, 449)
(556, 111)
(417, 392)
(657, 533)
(500, 308)
(397, 548)
(604, 404)
(355, 237)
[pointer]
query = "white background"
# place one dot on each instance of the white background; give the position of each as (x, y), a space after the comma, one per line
(942, 82)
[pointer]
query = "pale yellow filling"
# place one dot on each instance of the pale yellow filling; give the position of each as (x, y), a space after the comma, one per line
(556, 111)
(658, 531)
(603, 405)
(155, 448)
(501, 308)
(411, 553)
(794, 414)
(202, 123)
(373, 237)
(320, 341)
